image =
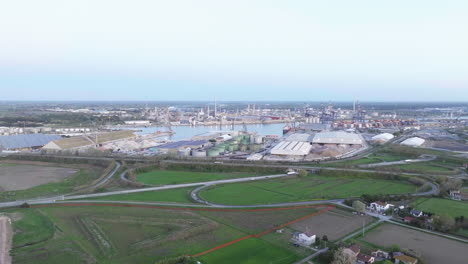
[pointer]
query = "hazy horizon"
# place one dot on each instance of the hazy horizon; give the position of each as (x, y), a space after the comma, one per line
(292, 51)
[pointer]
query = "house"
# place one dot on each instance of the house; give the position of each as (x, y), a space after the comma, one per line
(356, 249)
(303, 239)
(416, 213)
(404, 259)
(380, 206)
(380, 255)
(364, 259)
(455, 195)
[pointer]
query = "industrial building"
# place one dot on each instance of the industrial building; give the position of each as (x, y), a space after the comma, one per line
(25, 141)
(183, 144)
(291, 148)
(300, 137)
(413, 142)
(382, 138)
(338, 137)
(88, 141)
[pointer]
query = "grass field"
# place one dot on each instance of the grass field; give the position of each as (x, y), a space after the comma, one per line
(180, 195)
(441, 206)
(301, 189)
(163, 177)
(100, 234)
(431, 167)
(251, 251)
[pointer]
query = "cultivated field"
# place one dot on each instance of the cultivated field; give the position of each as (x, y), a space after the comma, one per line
(300, 189)
(114, 235)
(123, 234)
(15, 177)
(39, 179)
(335, 224)
(256, 222)
(442, 206)
(432, 249)
(163, 177)
(250, 251)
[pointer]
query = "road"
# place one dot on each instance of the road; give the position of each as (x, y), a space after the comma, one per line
(5, 240)
(424, 158)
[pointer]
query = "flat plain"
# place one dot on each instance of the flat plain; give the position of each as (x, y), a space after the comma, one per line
(293, 189)
(433, 249)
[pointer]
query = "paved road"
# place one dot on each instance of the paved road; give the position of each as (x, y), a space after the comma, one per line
(399, 162)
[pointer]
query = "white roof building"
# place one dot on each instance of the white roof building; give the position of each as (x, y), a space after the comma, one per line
(384, 137)
(303, 239)
(338, 137)
(291, 148)
(413, 142)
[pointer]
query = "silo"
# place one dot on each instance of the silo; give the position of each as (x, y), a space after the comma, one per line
(254, 147)
(258, 140)
(199, 153)
(183, 152)
(212, 153)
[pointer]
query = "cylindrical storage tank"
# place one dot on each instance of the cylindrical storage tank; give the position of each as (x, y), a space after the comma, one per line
(258, 140)
(236, 147)
(183, 152)
(254, 147)
(212, 153)
(243, 147)
(231, 148)
(199, 153)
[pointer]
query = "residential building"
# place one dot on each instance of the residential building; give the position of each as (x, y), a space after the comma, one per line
(303, 239)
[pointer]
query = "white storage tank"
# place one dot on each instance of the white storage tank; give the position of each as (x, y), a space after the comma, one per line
(199, 153)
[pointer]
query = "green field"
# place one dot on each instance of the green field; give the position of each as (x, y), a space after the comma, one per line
(301, 189)
(431, 167)
(96, 234)
(163, 177)
(180, 195)
(441, 206)
(250, 251)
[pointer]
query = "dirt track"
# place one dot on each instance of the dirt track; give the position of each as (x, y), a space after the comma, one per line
(24, 176)
(5, 240)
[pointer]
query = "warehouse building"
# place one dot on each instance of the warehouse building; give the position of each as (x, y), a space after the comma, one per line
(25, 141)
(183, 144)
(88, 141)
(338, 137)
(291, 148)
(413, 142)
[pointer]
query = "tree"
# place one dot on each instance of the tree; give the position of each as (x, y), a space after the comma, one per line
(343, 256)
(302, 173)
(450, 184)
(395, 248)
(325, 238)
(443, 223)
(359, 206)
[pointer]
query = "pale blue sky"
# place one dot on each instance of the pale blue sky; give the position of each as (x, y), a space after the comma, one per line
(235, 50)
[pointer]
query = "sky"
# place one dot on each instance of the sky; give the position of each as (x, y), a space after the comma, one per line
(295, 50)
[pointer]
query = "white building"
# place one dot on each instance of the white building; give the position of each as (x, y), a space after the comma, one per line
(138, 122)
(291, 148)
(413, 142)
(384, 137)
(380, 206)
(338, 137)
(303, 239)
